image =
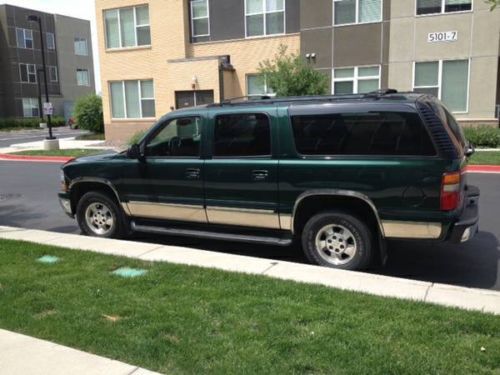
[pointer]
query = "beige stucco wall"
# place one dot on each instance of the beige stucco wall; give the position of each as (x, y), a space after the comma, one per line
(168, 62)
(478, 40)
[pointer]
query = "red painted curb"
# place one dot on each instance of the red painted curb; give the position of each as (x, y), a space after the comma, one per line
(36, 159)
(483, 168)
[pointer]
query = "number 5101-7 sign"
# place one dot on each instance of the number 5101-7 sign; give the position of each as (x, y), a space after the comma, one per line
(444, 36)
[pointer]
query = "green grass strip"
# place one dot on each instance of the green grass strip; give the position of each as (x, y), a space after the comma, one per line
(485, 158)
(187, 320)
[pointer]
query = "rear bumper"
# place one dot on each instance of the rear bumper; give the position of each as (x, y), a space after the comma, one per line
(468, 224)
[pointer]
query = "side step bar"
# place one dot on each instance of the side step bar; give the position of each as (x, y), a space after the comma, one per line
(212, 235)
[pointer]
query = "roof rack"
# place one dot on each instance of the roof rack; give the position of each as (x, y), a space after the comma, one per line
(247, 100)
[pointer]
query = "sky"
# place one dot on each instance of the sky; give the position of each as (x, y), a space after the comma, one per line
(84, 9)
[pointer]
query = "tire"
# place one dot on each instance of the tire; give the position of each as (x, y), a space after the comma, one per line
(338, 240)
(98, 215)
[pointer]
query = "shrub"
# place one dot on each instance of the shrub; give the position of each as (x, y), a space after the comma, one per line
(88, 113)
(483, 136)
(28, 123)
(136, 138)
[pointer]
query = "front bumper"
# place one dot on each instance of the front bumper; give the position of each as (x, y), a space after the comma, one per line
(467, 225)
(65, 203)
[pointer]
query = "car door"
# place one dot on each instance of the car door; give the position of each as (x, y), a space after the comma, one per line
(241, 176)
(174, 168)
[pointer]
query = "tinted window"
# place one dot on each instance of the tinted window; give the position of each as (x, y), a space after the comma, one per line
(242, 135)
(373, 133)
(178, 138)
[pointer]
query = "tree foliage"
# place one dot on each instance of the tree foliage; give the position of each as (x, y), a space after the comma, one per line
(290, 75)
(88, 113)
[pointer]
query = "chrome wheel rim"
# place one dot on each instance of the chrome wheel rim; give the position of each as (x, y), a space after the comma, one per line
(336, 244)
(99, 218)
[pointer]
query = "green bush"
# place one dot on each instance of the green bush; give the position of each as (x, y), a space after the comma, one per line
(28, 123)
(136, 138)
(483, 136)
(88, 113)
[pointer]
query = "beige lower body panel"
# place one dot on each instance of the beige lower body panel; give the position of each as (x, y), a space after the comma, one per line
(167, 211)
(411, 229)
(243, 217)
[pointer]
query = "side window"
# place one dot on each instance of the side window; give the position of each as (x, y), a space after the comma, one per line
(178, 138)
(242, 135)
(373, 133)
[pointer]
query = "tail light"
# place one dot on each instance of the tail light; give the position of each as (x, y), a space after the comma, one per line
(450, 191)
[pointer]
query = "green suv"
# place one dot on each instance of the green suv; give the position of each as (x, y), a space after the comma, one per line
(339, 174)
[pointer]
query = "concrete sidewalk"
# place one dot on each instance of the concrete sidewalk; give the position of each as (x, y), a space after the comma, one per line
(64, 144)
(24, 355)
(439, 294)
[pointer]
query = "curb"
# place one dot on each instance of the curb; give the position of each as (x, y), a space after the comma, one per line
(385, 286)
(483, 169)
(35, 159)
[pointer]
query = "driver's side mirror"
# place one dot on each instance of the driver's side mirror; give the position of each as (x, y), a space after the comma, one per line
(470, 150)
(134, 152)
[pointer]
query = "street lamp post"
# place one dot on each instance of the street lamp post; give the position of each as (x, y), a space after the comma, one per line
(40, 104)
(34, 18)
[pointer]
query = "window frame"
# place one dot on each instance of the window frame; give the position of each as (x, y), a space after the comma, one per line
(440, 81)
(356, 77)
(136, 26)
(443, 10)
(124, 98)
(266, 87)
(53, 38)
(35, 73)
(25, 38)
(53, 68)
(78, 70)
(79, 40)
(356, 22)
(264, 13)
(193, 36)
(33, 106)
(271, 136)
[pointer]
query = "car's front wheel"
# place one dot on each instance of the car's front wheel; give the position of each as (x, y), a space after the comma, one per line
(99, 216)
(337, 240)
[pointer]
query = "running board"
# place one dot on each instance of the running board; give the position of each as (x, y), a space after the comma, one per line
(212, 235)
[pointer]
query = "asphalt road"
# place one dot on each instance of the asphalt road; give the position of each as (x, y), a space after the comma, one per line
(28, 198)
(24, 136)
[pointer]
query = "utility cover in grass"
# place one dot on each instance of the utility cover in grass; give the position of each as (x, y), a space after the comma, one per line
(48, 259)
(129, 272)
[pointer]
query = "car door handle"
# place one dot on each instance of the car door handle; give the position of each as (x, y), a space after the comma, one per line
(192, 174)
(260, 175)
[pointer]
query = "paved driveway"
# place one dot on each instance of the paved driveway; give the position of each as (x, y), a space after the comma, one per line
(28, 198)
(24, 136)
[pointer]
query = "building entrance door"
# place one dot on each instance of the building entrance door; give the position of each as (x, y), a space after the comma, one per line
(185, 99)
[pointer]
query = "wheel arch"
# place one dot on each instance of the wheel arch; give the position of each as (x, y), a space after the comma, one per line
(81, 186)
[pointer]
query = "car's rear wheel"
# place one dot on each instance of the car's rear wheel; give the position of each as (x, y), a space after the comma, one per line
(98, 215)
(337, 240)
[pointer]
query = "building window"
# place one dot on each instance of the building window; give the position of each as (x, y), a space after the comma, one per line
(51, 41)
(442, 6)
(127, 27)
(257, 86)
(53, 74)
(357, 80)
(446, 80)
(81, 47)
(132, 99)
(24, 38)
(200, 18)
(82, 77)
(30, 107)
(347, 12)
(28, 73)
(264, 17)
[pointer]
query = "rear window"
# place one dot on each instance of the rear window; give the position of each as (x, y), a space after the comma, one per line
(372, 133)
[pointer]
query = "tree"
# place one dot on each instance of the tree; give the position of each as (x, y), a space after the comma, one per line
(493, 3)
(88, 113)
(289, 75)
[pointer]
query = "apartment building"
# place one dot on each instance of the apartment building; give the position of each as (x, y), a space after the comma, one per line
(159, 55)
(69, 60)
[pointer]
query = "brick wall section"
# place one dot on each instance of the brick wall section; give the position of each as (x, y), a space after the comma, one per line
(162, 61)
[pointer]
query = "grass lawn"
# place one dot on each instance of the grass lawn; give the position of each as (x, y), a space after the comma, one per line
(90, 137)
(179, 319)
(69, 152)
(486, 158)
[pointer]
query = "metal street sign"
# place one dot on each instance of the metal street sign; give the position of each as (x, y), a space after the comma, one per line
(48, 109)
